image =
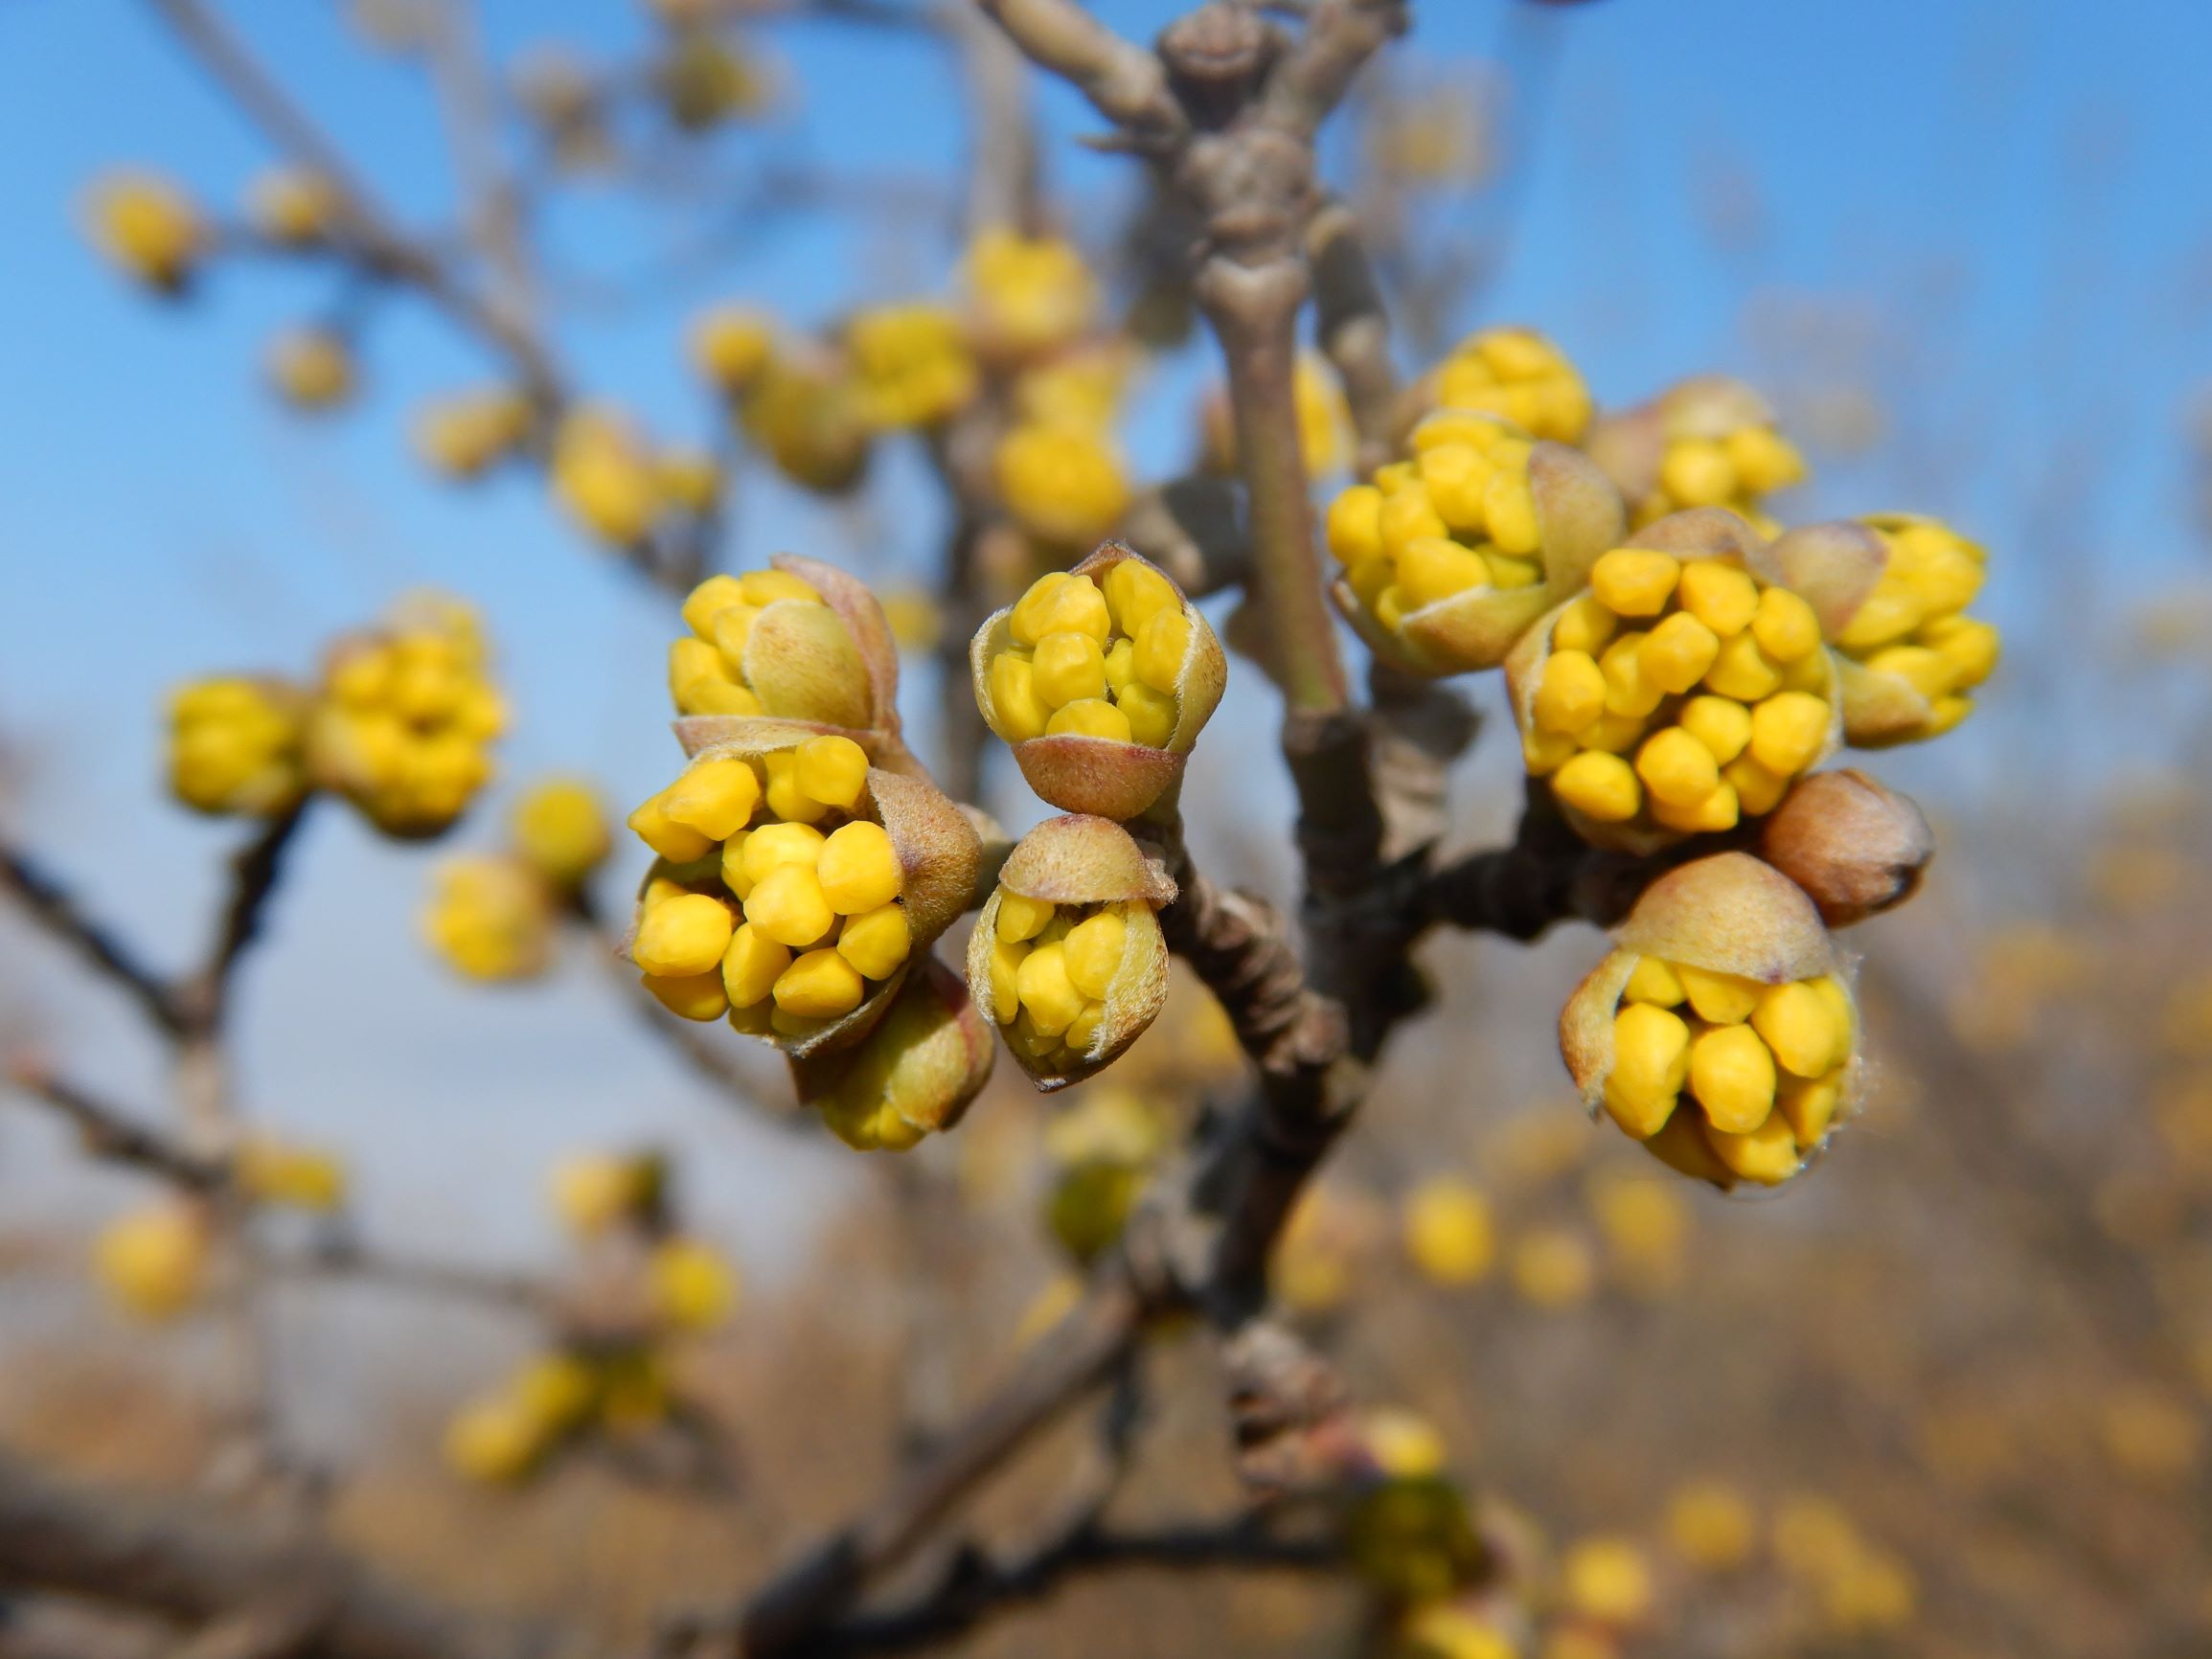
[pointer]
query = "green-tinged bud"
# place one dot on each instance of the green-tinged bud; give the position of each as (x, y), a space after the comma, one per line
(1412, 1537)
(804, 410)
(796, 885)
(802, 641)
(594, 1193)
(1722, 1031)
(915, 1074)
(1857, 848)
(1104, 1149)
(1067, 957)
(1453, 553)
(1891, 593)
(1679, 694)
(1100, 679)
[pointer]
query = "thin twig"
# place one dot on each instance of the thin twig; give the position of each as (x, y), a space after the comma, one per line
(114, 1136)
(54, 907)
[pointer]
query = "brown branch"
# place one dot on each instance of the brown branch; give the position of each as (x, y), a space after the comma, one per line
(196, 1567)
(346, 1258)
(111, 1135)
(1340, 37)
(1122, 80)
(383, 247)
(54, 907)
(789, 1615)
(1353, 329)
(254, 871)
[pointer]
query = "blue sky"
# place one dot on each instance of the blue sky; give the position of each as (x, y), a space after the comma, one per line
(2008, 190)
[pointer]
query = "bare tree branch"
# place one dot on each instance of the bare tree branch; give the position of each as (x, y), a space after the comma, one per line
(1122, 80)
(112, 1135)
(54, 907)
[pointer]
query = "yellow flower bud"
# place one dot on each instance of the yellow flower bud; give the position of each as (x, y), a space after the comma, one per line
(1706, 443)
(1517, 374)
(154, 1261)
(693, 1286)
(1769, 1065)
(293, 207)
(915, 1074)
(911, 364)
(463, 437)
(596, 1191)
(312, 368)
(278, 1174)
(1026, 296)
(683, 935)
(559, 827)
(490, 917)
(805, 412)
(150, 228)
(237, 745)
(730, 347)
(495, 1441)
(1447, 1233)
(751, 965)
(802, 641)
(1063, 483)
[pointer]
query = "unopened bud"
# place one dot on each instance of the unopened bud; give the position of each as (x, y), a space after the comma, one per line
(915, 1074)
(1857, 848)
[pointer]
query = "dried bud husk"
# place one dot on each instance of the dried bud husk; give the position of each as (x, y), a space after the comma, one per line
(1102, 776)
(1579, 515)
(1855, 846)
(916, 1074)
(940, 857)
(1733, 915)
(1083, 867)
(1706, 533)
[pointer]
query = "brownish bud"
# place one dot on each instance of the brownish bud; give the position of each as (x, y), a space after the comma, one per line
(1857, 848)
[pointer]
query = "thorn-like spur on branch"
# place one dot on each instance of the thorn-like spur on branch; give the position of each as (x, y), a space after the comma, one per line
(198, 1569)
(52, 906)
(110, 1134)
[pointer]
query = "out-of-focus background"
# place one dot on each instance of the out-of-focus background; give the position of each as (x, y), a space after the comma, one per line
(1963, 250)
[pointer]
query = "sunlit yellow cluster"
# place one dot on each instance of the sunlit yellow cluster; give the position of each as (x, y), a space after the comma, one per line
(731, 345)
(489, 917)
(1719, 451)
(911, 364)
(237, 746)
(1912, 624)
(1098, 659)
(1447, 1228)
(1677, 693)
(778, 901)
(508, 1435)
(1062, 481)
(1521, 375)
(312, 368)
(1052, 968)
(154, 1261)
(707, 669)
(606, 479)
(1711, 1066)
(1460, 515)
(150, 228)
(804, 413)
(464, 435)
(1102, 1150)
(299, 1177)
(406, 718)
(1027, 295)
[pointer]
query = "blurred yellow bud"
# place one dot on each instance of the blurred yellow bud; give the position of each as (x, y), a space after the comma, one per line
(150, 228)
(154, 1261)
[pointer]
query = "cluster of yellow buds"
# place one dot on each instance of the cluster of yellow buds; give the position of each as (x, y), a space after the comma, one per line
(596, 1193)
(1678, 694)
(466, 435)
(1451, 555)
(1062, 481)
(1519, 375)
(1026, 296)
(799, 641)
(1710, 441)
(1324, 421)
(806, 414)
(551, 1402)
(1408, 1530)
(1448, 1232)
(406, 715)
(1720, 1031)
(312, 368)
(1067, 957)
(911, 364)
(731, 346)
(916, 1074)
(1891, 592)
(237, 746)
(154, 1261)
(1100, 679)
(1103, 1151)
(492, 916)
(150, 229)
(275, 1172)
(293, 208)
(606, 478)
